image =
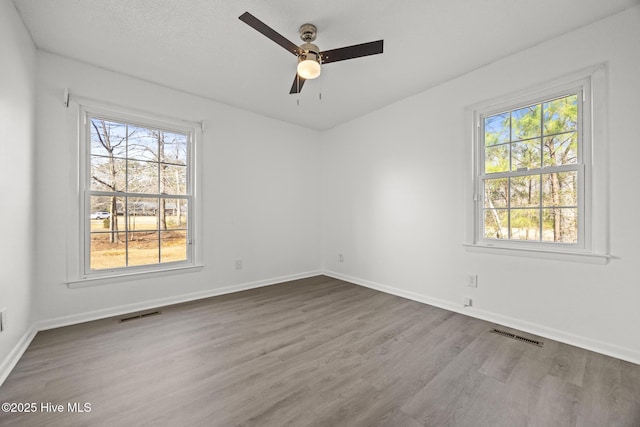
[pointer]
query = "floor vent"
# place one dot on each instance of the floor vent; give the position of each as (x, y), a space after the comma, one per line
(517, 337)
(139, 316)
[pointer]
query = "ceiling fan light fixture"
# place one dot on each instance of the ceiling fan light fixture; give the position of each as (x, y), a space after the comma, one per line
(309, 65)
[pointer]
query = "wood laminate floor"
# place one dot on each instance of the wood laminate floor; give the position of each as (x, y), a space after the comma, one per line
(318, 352)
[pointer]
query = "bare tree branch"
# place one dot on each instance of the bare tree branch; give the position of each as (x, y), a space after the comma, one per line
(103, 182)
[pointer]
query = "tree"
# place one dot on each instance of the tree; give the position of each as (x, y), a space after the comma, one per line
(111, 141)
(532, 138)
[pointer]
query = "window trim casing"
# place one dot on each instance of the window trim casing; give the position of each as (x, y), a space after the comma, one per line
(593, 206)
(83, 275)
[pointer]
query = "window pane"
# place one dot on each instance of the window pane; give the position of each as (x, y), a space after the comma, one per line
(143, 177)
(561, 149)
(560, 115)
(560, 225)
(142, 213)
(173, 246)
(496, 222)
(525, 191)
(108, 174)
(103, 207)
(560, 189)
(526, 155)
(496, 193)
(143, 144)
(525, 224)
(98, 205)
(107, 251)
(496, 129)
(496, 158)
(173, 179)
(108, 138)
(176, 214)
(100, 174)
(174, 149)
(143, 248)
(525, 123)
(100, 220)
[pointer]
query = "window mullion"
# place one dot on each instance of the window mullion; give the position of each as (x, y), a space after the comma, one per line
(546, 170)
(125, 215)
(161, 214)
(540, 211)
(509, 209)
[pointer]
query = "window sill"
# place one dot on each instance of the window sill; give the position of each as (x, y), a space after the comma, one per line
(585, 257)
(124, 277)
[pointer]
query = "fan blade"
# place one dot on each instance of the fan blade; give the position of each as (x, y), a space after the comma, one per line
(298, 82)
(350, 52)
(263, 28)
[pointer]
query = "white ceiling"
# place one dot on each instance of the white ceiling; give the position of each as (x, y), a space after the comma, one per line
(201, 47)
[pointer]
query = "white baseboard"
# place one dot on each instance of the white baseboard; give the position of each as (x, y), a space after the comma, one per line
(12, 359)
(607, 349)
(161, 302)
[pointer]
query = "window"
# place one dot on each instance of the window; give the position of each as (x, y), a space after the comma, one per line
(531, 171)
(534, 188)
(138, 198)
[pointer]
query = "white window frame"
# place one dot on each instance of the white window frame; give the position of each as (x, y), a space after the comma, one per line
(592, 245)
(87, 277)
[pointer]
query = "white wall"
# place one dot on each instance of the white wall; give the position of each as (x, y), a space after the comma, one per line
(259, 193)
(393, 200)
(17, 137)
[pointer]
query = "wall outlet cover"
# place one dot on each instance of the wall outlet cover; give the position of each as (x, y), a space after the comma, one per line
(472, 280)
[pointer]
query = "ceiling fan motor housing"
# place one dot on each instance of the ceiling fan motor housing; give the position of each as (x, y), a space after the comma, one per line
(310, 51)
(308, 32)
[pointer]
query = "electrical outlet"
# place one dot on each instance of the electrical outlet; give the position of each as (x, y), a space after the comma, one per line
(468, 302)
(340, 258)
(3, 319)
(472, 280)
(238, 264)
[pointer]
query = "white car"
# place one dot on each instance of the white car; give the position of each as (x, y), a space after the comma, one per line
(100, 215)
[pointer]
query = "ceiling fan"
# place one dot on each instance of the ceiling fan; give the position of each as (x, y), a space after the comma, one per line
(309, 56)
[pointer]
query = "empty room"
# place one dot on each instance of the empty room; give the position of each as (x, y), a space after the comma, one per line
(337, 213)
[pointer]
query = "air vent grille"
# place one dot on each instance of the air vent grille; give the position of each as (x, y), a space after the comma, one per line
(139, 316)
(517, 337)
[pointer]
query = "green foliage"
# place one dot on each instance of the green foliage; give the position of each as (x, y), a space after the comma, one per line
(525, 123)
(531, 138)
